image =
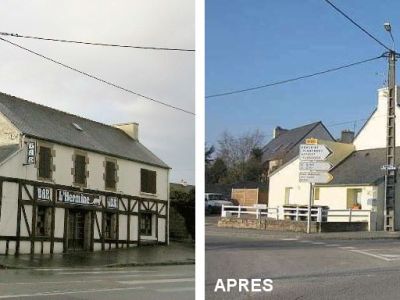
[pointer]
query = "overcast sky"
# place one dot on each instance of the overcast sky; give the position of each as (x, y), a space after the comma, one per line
(166, 76)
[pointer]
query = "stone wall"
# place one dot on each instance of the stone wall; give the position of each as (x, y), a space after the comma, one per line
(287, 225)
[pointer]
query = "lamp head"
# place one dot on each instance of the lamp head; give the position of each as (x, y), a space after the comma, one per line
(387, 26)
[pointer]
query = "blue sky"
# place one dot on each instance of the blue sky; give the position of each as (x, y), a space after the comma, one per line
(250, 43)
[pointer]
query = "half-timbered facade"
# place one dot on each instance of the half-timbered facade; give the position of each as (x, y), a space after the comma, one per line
(71, 184)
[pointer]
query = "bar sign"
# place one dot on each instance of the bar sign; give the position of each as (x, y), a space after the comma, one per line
(31, 153)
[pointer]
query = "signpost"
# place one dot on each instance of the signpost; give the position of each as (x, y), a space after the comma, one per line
(313, 168)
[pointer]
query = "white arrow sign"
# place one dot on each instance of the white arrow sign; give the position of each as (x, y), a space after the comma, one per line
(314, 152)
(315, 166)
(315, 177)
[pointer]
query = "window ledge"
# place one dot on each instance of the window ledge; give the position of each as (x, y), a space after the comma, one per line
(149, 194)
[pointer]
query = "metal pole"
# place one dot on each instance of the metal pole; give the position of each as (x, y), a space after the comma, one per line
(309, 208)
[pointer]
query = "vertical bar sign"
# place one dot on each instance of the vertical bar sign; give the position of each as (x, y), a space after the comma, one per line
(31, 153)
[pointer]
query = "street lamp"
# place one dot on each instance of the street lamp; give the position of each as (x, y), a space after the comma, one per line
(388, 28)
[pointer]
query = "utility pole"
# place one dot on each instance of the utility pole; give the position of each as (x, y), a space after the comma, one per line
(390, 172)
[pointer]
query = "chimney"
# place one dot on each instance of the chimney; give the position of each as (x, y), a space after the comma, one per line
(347, 136)
(278, 131)
(131, 129)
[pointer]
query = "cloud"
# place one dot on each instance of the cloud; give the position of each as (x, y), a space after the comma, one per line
(167, 76)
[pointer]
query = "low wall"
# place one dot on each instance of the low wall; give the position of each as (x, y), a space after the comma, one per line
(268, 224)
(295, 226)
(344, 226)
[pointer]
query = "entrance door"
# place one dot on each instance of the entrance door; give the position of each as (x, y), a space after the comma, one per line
(76, 230)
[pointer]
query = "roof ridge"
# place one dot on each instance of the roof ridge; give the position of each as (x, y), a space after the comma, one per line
(59, 110)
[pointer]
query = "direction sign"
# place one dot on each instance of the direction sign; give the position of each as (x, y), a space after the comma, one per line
(315, 177)
(388, 167)
(314, 152)
(315, 166)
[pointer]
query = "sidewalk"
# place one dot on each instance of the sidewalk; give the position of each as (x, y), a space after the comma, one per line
(174, 254)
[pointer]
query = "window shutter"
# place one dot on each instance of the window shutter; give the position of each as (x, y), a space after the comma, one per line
(45, 162)
(80, 169)
(110, 174)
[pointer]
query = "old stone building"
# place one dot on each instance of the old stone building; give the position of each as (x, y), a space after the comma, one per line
(68, 183)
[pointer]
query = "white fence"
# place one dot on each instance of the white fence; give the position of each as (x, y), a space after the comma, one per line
(318, 214)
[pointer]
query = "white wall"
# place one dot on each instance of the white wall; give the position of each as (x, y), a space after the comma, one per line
(287, 177)
(128, 173)
(373, 135)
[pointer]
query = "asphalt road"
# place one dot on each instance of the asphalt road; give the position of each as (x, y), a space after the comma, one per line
(166, 282)
(301, 268)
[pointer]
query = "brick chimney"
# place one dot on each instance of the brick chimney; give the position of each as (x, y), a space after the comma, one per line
(131, 129)
(347, 136)
(278, 131)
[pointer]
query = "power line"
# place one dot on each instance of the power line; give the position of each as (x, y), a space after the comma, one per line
(293, 79)
(98, 78)
(94, 43)
(357, 25)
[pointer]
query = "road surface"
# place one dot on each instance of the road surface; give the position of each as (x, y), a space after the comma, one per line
(166, 282)
(301, 268)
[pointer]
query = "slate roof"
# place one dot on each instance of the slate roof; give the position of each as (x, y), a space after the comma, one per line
(278, 147)
(49, 124)
(361, 167)
(7, 150)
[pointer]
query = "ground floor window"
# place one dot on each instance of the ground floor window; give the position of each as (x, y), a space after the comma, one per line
(43, 221)
(146, 223)
(354, 198)
(110, 230)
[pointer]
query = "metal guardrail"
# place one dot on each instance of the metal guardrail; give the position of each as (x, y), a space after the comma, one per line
(301, 214)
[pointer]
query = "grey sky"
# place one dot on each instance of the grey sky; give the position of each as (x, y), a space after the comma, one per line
(166, 76)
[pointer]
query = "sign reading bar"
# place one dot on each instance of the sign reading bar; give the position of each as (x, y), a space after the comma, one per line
(44, 193)
(314, 152)
(31, 153)
(77, 197)
(311, 141)
(315, 166)
(112, 202)
(315, 177)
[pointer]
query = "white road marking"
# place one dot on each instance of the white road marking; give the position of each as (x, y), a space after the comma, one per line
(77, 269)
(50, 282)
(102, 272)
(174, 280)
(347, 248)
(371, 254)
(55, 293)
(305, 241)
(318, 243)
(332, 245)
(290, 239)
(170, 290)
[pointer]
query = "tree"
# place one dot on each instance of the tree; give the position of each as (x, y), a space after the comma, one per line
(254, 168)
(236, 152)
(208, 154)
(217, 172)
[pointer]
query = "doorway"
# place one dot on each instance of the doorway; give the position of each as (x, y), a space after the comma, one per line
(77, 230)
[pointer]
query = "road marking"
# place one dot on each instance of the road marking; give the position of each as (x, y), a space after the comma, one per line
(102, 272)
(156, 281)
(54, 293)
(290, 239)
(305, 241)
(332, 245)
(371, 254)
(77, 269)
(50, 282)
(170, 290)
(318, 243)
(347, 248)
